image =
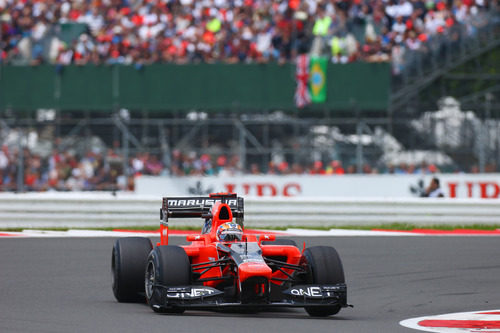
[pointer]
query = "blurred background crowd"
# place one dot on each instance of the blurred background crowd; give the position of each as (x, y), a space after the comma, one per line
(180, 31)
(142, 32)
(66, 171)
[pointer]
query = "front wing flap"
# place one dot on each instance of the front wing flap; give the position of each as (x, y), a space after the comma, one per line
(296, 296)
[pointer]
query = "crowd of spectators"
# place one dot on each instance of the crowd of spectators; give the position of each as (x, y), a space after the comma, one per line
(65, 171)
(180, 31)
(61, 171)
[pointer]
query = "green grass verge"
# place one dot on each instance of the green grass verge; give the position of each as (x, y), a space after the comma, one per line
(391, 226)
(394, 226)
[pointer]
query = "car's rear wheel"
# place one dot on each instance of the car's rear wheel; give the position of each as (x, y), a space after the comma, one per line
(167, 266)
(128, 261)
(325, 267)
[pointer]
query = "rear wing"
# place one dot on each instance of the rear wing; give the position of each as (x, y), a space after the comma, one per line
(192, 207)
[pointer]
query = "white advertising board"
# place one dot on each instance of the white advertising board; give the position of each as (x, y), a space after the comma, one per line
(346, 186)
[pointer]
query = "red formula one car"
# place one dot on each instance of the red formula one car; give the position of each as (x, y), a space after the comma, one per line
(224, 267)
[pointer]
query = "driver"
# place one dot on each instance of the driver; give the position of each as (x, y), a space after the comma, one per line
(229, 232)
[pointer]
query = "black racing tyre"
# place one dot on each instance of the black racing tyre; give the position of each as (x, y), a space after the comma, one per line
(280, 241)
(167, 266)
(128, 261)
(325, 268)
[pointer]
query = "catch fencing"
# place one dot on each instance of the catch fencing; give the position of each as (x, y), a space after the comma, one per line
(90, 210)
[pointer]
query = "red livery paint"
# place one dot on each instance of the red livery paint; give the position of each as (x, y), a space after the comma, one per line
(249, 269)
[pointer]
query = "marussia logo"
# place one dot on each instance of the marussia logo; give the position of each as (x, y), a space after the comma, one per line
(198, 202)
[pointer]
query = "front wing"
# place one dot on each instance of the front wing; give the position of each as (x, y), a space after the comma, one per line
(203, 297)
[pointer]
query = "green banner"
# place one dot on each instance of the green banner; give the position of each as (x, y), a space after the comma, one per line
(207, 87)
(317, 79)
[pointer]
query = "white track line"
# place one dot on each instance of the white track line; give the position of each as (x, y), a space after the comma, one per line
(73, 233)
(97, 233)
(289, 232)
(346, 232)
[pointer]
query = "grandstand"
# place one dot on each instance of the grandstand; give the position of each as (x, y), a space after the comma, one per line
(94, 92)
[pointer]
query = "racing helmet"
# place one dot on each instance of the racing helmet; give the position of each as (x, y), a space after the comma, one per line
(229, 232)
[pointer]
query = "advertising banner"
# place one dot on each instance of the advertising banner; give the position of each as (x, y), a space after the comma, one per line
(347, 186)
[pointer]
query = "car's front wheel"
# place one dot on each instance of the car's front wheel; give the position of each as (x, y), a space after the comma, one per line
(167, 266)
(325, 267)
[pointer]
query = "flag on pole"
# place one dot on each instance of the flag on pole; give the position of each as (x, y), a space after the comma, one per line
(302, 96)
(318, 79)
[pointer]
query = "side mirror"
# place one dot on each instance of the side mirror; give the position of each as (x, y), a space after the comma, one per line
(267, 238)
(193, 238)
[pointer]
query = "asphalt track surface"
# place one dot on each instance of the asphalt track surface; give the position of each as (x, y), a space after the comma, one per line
(64, 285)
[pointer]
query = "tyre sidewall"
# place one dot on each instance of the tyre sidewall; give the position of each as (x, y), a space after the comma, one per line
(171, 268)
(155, 296)
(129, 258)
(324, 267)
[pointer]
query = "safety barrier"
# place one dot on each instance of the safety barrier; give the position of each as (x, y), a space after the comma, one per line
(39, 210)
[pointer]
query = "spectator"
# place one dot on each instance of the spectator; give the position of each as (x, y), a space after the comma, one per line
(317, 168)
(320, 30)
(434, 189)
(64, 171)
(144, 32)
(335, 168)
(254, 169)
